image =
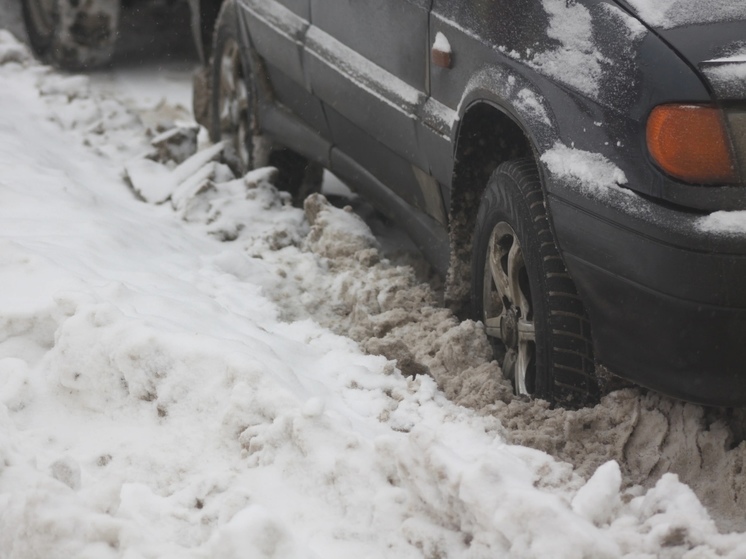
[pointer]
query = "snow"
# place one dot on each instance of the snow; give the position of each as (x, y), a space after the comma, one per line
(728, 59)
(635, 29)
(727, 75)
(590, 171)
(441, 43)
(209, 374)
(529, 103)
(724, 223)
(575, 60)
(667, 14)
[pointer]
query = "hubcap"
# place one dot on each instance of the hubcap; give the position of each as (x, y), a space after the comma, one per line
(234, 109)
(508, 312)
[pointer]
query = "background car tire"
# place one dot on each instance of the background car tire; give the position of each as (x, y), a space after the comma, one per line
(72, 34)
(532, 311)
(234, 105)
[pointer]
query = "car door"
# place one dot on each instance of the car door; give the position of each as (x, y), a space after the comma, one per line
(276, 29)
(367, 61)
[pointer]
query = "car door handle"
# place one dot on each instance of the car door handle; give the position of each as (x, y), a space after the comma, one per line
(442, 54)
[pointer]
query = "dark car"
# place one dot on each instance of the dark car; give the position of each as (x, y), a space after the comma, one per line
(574, 168)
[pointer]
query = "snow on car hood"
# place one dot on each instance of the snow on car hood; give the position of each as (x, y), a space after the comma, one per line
(667, 14)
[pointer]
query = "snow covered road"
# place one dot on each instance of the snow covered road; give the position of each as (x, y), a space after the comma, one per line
(167, 393)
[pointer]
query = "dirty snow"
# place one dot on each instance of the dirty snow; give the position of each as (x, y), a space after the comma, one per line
(215, 373)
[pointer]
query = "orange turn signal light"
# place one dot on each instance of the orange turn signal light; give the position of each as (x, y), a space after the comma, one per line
(690, 142)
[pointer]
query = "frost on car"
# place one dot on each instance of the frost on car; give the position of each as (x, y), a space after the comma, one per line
(573, 168)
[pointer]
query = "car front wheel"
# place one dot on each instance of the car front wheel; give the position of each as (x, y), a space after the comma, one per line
(524, 296)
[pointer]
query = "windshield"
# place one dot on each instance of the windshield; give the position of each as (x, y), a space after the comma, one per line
(673, 13)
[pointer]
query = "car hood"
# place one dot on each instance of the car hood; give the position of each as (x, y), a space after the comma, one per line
(709, 34)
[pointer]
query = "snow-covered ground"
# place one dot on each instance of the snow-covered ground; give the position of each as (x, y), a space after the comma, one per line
(225, 375)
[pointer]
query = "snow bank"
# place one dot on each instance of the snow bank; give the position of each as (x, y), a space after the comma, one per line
(170, 384)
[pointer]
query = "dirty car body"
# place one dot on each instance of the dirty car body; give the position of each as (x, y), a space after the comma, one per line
(369, 89)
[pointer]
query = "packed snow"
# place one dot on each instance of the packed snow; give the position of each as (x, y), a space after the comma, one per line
(192, 367)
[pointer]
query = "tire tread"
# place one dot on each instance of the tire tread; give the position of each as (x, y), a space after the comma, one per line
(570, 361)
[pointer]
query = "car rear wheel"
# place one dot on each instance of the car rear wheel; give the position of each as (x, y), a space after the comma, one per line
(233, 116)
(72, 34)
(524, 295)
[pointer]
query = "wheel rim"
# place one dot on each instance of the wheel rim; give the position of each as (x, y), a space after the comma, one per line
(43, 14)
(507, 309)
(234, 108)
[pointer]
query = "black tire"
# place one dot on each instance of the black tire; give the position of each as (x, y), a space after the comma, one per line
(233, 115)
(532, 311)
(72, 34)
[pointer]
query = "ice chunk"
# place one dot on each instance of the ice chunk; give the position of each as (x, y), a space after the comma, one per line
(598, 500)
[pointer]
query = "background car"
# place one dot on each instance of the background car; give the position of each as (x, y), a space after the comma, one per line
(82, 34)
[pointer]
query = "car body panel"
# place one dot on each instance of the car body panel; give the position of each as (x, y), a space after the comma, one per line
(554, 109)
(372, 90)
(277, 30)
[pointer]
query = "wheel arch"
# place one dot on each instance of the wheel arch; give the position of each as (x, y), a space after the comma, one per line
(494, 126)
(489, 132)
